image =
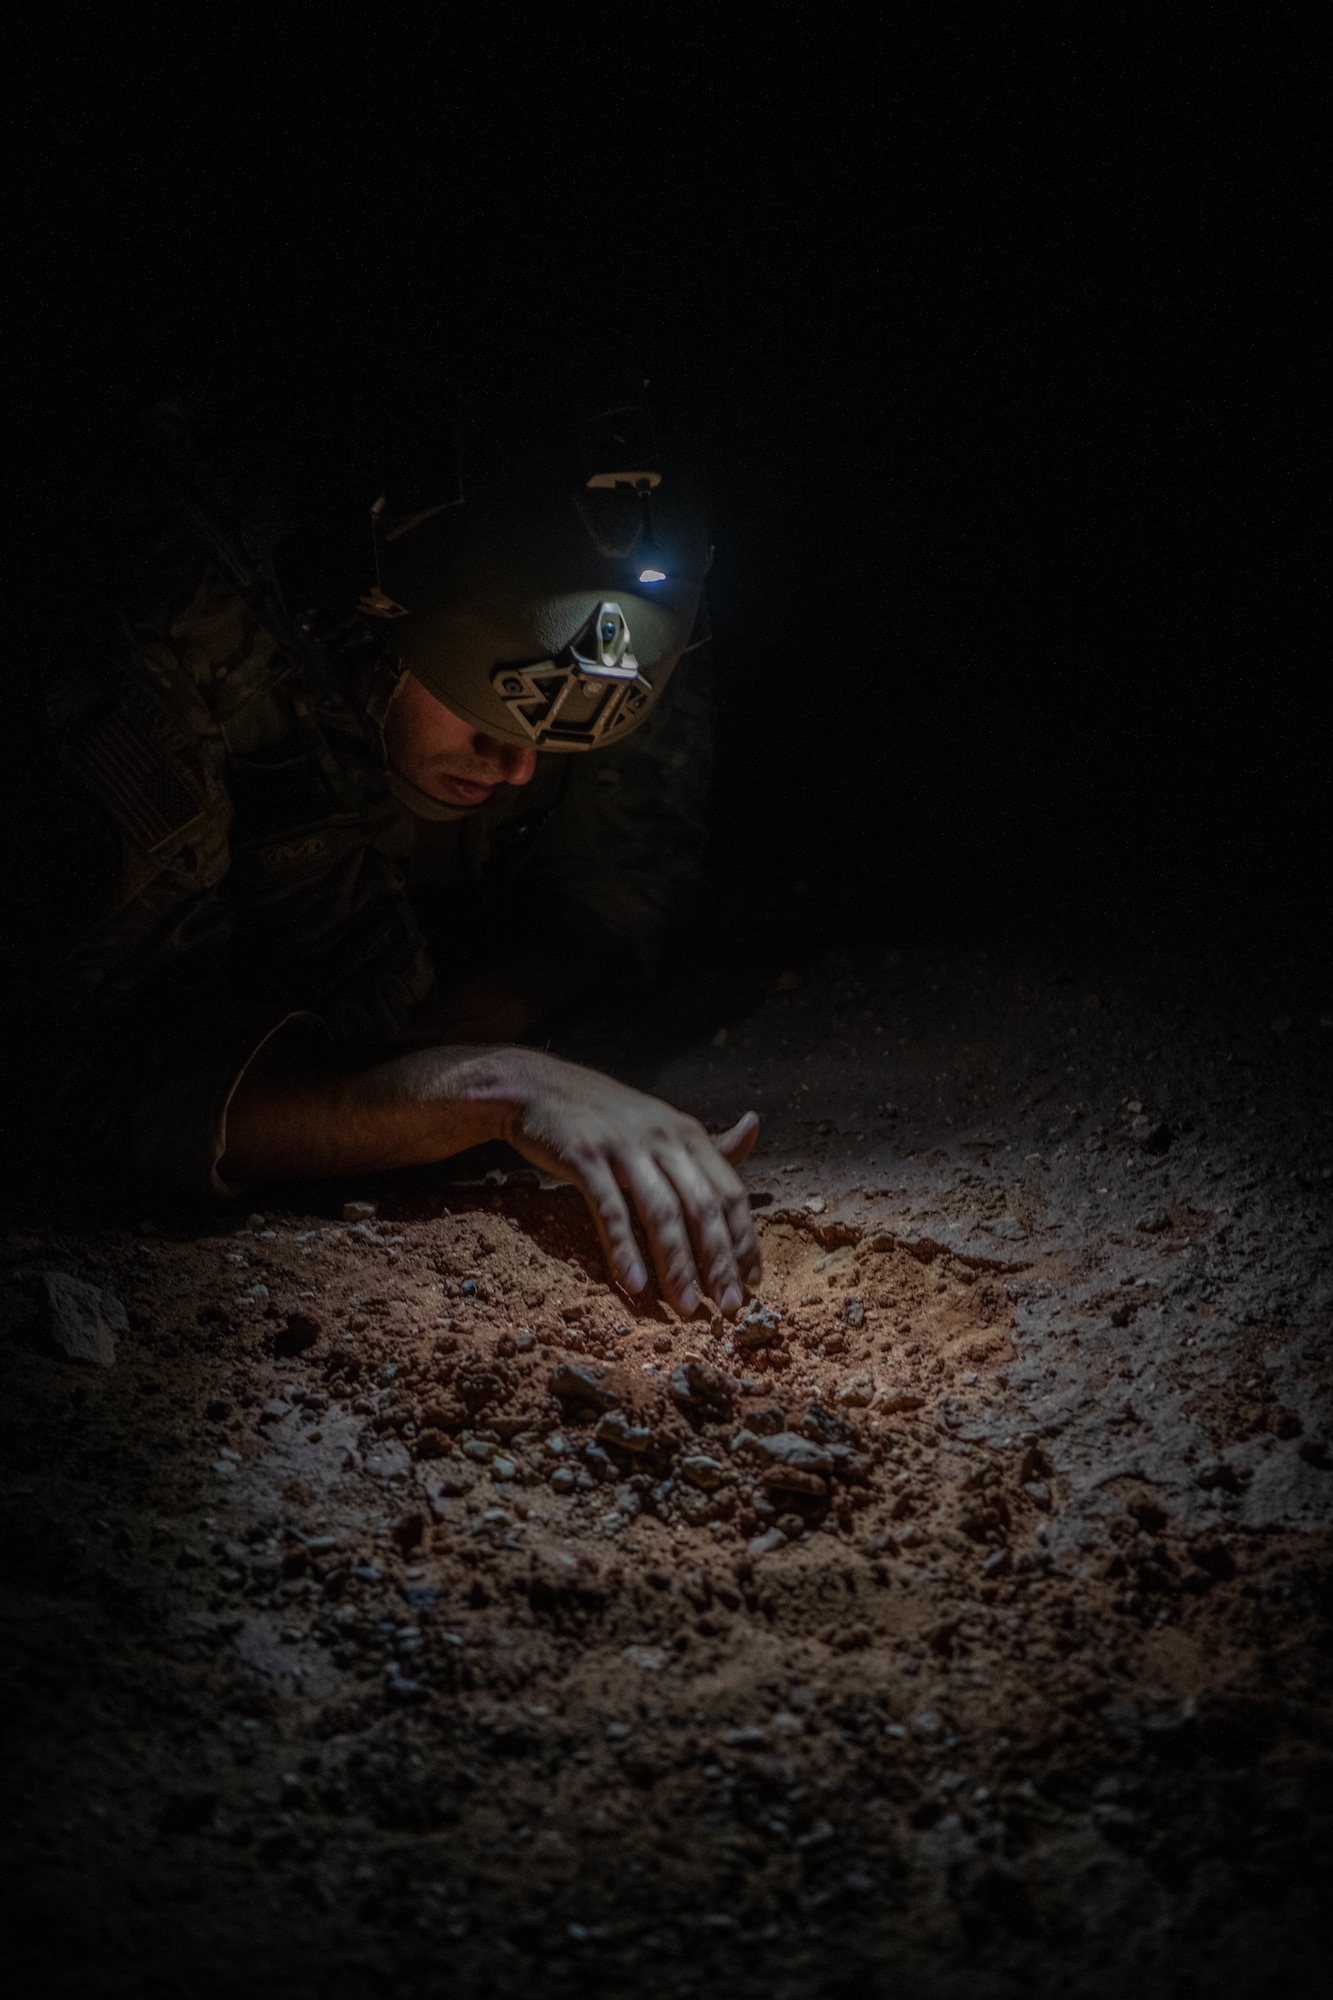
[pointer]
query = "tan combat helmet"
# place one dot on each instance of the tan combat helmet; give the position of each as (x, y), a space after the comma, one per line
(548, 607)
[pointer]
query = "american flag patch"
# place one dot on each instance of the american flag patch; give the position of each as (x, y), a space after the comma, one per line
(137, 780)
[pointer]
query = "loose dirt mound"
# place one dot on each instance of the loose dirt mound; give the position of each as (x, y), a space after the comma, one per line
(406, 1611)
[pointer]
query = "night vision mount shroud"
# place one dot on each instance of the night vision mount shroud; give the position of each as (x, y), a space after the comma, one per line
(548, 597)
(593, 692)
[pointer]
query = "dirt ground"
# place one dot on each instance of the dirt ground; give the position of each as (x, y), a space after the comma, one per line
(406, 1612)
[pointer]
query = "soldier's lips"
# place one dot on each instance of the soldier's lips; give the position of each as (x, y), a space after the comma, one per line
(462, 791)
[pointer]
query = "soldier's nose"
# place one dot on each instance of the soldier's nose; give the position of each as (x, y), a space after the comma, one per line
(512, 763)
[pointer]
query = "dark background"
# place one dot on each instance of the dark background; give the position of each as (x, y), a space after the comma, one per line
(998, 340)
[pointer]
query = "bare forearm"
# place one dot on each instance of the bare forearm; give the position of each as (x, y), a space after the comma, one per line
(292, 1115)
(297, 1113)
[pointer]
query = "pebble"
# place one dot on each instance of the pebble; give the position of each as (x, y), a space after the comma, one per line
(816, 1204)
(359, 1211)
(1007, 1226)
(765, 1544)
(758, 1327)
(82, 1320)
(581, 1382)
(614, 1427)
(651, 1658)
(694, 1382)
(702, 1471)
(789, 1448)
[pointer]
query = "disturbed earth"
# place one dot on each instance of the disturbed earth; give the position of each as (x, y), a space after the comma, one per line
(394, 1607)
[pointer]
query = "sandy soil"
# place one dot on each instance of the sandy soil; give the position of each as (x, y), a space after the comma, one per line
(407, 1612)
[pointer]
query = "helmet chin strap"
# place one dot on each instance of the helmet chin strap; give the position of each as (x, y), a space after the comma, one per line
(384, 683)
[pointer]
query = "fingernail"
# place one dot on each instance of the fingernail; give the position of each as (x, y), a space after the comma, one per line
(635, 1276)
(730, 1301)
(689, 1301)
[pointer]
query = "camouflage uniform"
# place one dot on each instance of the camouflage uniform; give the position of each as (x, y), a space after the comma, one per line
(205, 847)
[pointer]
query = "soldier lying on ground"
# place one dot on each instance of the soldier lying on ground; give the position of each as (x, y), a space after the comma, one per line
(259, 854)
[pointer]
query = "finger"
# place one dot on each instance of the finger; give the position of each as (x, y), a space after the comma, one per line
(734, 1201)
(598, 1186)
(737, 1144)
(708, 1225)
(664, 1223)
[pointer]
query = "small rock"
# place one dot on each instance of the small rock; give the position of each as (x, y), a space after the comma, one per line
(1007, 1226)
(697, 1385)
(764, 1545)
(744, 1739)
(857, 1391)
(900, 1399)
(614, 1427)
(853, 1311)
(758, 1327)
(791, 1479)
(825, 1426)
(766, 1422)
(450, 1481)
(996, 1563)
(1154, 1224)
(789, 1448)
(82, 1320)
(580, 1382)
(816, 1204)
(702, 1471)
(1037, 1490)
(360, 1211)
(651, 1658)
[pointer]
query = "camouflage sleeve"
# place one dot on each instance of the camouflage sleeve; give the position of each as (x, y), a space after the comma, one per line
(129, 1035)
(621, 852)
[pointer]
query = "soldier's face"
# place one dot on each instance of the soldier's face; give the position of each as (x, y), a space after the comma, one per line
(437, 751)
